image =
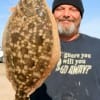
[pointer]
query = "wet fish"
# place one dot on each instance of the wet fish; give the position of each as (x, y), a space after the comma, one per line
(31, 46)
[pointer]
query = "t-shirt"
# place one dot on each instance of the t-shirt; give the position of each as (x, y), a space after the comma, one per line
(77, 74)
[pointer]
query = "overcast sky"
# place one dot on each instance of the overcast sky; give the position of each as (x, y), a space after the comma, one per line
(90, 22)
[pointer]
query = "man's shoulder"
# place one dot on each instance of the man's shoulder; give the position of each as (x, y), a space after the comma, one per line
(88, 37)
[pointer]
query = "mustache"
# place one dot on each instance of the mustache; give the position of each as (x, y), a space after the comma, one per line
(66, 19)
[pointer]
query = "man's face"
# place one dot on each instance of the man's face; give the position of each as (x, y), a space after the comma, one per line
(68, 19)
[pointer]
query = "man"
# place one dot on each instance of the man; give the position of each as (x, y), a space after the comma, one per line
(77, 74)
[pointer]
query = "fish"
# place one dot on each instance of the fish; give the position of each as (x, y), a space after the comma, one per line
(31, 46)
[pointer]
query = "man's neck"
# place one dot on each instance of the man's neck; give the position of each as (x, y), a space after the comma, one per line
(69, 38)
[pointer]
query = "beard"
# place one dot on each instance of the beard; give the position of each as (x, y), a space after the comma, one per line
(66, 30)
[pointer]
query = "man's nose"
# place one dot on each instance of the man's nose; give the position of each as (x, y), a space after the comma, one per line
(66, 13)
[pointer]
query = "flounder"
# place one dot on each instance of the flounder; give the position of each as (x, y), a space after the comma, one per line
(31, 46)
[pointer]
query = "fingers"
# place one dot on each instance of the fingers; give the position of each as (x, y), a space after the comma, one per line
(12, 9)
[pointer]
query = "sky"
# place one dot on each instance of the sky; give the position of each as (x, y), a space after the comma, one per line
(90, 24)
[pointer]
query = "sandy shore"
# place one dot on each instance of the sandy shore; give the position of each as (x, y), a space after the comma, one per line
(6, 90)
(2, 69)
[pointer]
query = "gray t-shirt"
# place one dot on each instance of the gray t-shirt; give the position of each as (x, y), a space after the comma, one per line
(77, 74)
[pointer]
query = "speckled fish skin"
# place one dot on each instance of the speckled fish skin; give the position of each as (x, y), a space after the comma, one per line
(29, 47)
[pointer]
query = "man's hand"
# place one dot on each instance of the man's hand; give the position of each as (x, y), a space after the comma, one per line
(12, 9)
